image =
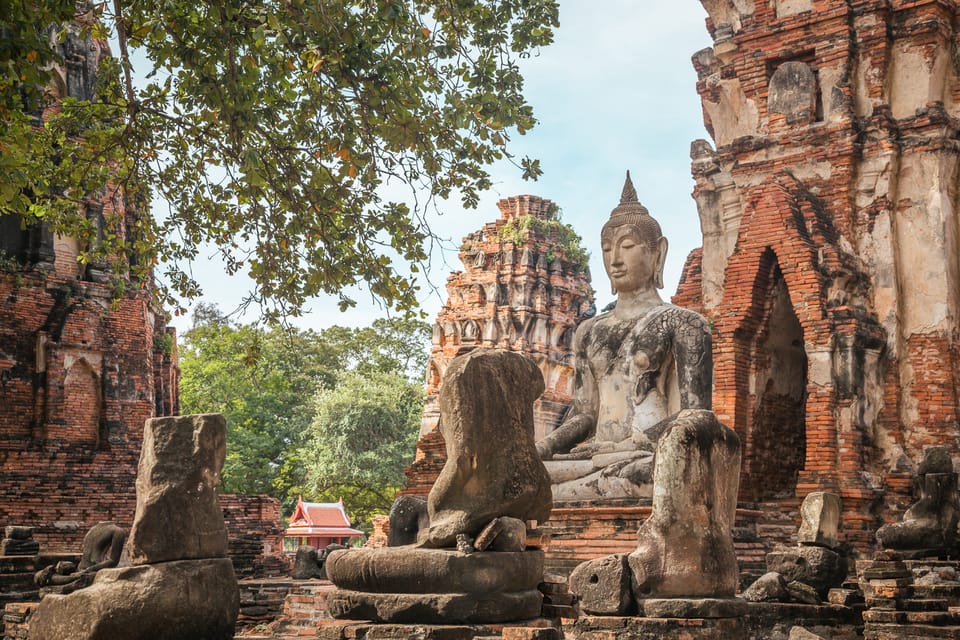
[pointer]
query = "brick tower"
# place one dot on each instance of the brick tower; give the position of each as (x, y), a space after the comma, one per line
(524, 288)
(830, 266)
(85, 359)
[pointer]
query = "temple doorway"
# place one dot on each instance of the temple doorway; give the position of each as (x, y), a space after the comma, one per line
(776, 441)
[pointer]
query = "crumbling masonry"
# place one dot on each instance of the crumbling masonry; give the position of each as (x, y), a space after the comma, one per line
(830, 268)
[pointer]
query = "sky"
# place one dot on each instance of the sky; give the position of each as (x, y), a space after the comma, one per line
(615, 92)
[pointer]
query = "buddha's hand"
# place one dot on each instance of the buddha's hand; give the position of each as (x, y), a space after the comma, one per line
(589, 449)
(638, 470)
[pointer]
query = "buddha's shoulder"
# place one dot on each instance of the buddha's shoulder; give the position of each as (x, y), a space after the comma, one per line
(679, 319)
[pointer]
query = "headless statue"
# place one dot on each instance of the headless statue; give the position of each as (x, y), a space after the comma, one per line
(635, 368)
(102, 548)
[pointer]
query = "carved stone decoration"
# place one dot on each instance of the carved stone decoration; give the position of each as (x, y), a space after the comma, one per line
(793, 92)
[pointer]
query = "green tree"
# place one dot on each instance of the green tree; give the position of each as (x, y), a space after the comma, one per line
(270, 130)
(388, 345)
(362, 437)
(265, 380)
(261, 380)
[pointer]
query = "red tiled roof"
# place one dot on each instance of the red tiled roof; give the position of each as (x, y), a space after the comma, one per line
(327, 518)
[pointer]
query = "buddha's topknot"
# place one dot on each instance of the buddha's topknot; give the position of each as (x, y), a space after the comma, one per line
(631, 212)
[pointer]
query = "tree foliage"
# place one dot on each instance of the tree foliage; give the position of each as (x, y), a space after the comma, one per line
(264, 380)
(362, 437)
(271, 131)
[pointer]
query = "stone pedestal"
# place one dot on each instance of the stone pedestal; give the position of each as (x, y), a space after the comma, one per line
(537, 629)
(628, 628)
(434, 586)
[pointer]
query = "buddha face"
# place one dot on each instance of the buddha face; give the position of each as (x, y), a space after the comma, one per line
(631, 262)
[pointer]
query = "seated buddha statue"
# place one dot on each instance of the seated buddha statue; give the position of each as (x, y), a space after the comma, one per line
(635, 367)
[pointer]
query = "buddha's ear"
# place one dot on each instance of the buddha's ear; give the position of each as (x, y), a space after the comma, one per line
(661, 260)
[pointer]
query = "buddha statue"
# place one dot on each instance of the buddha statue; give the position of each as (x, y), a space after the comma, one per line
(635, 367)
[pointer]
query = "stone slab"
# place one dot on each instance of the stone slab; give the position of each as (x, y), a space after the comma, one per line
(415, 570)
(538, 629)
(185, 600)
(434, 608)
(693, 607)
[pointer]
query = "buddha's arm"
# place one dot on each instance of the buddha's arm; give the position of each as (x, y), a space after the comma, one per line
(693, 352)
(581, 420)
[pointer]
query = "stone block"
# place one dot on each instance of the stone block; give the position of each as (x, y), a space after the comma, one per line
(184, 600)
(434, 608)
(178, 515)
(770, 587)
(844, 597)
(816, 566)
(603, 586)
(693, 607)
(16, 532)
(12, 547)
(802, 593)
(820, 519)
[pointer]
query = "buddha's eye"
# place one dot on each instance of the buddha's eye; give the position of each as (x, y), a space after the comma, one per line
(628, 244)
(605, 248)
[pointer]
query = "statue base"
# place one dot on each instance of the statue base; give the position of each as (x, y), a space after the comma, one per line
(628, 628)
(536, 629)
(434, 608)
(693, 607)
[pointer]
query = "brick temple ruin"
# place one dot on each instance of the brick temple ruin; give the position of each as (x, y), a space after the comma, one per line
(81, 368)
(830, 266)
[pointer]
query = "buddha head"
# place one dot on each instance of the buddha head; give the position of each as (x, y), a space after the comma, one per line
(634, 249)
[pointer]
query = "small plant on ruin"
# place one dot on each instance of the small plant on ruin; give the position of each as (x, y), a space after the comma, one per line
(561, 236)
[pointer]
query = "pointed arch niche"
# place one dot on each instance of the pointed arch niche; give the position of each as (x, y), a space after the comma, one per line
(82, 402)
(775, 376)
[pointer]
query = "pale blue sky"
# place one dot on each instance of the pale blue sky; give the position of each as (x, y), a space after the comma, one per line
(615, 91)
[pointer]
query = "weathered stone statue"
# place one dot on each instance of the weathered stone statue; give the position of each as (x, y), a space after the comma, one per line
(635, 366)
(471, 562)
(102, 548)
(929, 527)
(174, 581)
(643, 397)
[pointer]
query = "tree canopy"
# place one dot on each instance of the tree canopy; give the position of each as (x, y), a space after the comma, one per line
(362, 437)
(270, 130)
(265, 381)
